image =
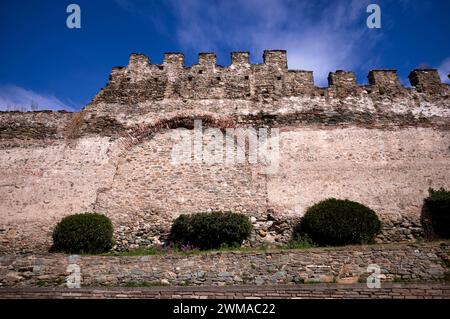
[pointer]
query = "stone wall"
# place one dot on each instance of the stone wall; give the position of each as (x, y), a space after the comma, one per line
(315, 164)
(406, 262)
(39, 185)
(316, 291)
(380, 144)
(142, 81)
(142, 191)
(38, 127)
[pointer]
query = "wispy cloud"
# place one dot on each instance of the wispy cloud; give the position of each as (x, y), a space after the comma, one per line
(319, 35)
(444, 70)
(15, 97)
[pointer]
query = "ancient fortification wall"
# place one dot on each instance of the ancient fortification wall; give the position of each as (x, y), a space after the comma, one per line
(380, 144)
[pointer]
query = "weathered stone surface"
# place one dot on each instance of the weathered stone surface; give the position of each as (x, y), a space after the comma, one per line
(380, 144)
(335, 291)
(410, 262)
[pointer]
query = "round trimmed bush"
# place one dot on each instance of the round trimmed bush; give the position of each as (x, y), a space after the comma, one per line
(90, 233)
(437, 213)
(211, 230)
(181, 231)
(335, 222)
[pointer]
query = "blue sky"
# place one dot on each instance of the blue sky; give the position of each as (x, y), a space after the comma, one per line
(60, 68)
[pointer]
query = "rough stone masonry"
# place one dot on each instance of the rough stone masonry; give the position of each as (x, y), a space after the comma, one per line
(405, 262)
(380, 144)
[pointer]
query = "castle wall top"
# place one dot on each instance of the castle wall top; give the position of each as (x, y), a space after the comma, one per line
(141, 81)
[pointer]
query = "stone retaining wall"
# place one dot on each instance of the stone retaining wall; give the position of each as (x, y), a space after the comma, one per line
(335, 291)
(406, 262)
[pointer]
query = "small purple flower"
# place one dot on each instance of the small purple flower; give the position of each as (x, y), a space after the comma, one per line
(187, 247)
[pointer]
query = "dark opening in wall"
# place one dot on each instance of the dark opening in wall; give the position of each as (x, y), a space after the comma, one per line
(278, 78)
(246, 77)
(155, 79)
(189, 78)
(200, 72)
(218, 78)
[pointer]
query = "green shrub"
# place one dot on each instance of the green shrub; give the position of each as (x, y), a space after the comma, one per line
(335, 222)
(181, 231)
(89, 233)
(437, 213)
(211, 230)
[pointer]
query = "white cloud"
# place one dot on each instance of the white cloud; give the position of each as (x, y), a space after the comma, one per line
(15, 97)
(444, 70)
(319, 36)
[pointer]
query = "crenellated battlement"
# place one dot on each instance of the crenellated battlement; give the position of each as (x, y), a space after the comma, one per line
(142, 81)
(342, 78)
(426, 80)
